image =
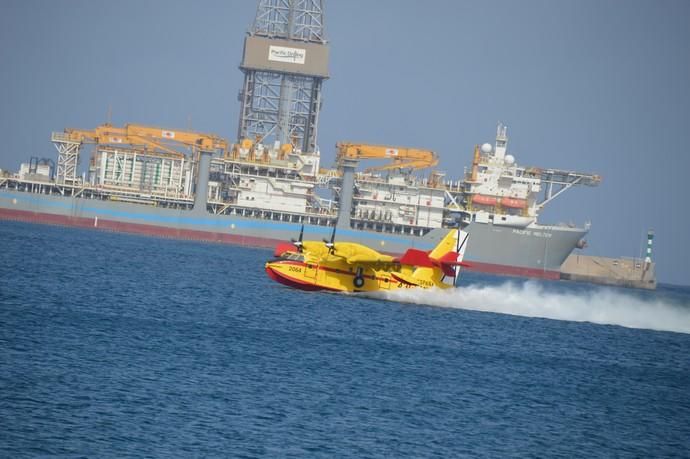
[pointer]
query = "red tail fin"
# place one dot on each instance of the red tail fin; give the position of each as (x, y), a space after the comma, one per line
(449, 258)
(416, 257)
(421, 259)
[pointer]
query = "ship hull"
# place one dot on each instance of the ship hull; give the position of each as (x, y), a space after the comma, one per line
(535, 252)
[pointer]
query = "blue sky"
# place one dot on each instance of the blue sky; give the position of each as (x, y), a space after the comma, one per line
(598, 86)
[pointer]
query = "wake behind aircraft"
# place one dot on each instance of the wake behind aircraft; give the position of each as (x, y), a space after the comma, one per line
(352, 267)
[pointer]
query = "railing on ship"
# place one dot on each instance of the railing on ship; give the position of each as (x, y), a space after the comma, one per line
(98, 192)
(311, 216)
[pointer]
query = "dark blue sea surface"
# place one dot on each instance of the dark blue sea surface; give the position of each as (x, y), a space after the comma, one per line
(114, 345)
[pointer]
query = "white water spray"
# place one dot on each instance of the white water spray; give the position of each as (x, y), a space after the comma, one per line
(529, 299)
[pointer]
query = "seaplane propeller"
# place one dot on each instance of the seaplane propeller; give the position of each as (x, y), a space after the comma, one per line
(330, 244)
(298, 243)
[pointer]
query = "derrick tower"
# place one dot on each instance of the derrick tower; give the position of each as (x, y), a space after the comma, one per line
(285, 62)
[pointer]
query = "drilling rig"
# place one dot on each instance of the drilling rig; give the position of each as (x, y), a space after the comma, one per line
(285, 62)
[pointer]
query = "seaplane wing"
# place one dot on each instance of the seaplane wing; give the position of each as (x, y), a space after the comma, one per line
(358, 254)
(315, 248)
(366, 260)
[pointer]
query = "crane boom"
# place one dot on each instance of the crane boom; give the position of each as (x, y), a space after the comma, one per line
(156, 138)
(401, 157)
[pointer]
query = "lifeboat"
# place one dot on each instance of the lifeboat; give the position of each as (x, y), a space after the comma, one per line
(484, 200)
(514, 203)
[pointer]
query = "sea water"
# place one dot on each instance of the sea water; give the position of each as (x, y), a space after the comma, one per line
(114, 345)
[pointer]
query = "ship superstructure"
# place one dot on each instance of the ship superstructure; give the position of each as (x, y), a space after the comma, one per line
(387, 198)
(262, 182)
(495, 190)
(498, 191)
(397, 204)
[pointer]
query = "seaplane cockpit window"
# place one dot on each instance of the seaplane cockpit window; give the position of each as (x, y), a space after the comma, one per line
(294, 256)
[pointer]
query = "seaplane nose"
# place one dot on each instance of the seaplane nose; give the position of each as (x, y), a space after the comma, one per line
(271, 273)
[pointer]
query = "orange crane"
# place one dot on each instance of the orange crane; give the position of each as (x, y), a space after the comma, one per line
(158, 139)
(401, 157)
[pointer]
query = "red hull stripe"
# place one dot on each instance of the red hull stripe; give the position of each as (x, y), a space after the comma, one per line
(401, 280)
(207, 236)
(295, 283)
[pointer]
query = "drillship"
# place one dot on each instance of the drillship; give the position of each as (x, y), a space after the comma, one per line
(259, 191)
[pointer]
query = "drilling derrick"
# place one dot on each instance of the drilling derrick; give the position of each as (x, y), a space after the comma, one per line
(285, 62)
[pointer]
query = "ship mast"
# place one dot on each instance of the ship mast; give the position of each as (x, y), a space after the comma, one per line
(501, 141)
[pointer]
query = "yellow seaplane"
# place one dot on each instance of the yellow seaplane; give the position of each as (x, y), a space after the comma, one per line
(352, 267)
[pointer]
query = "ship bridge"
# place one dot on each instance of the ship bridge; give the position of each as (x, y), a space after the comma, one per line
(495, 184)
